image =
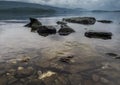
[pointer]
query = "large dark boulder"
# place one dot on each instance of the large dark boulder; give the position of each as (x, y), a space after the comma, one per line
(104, 21)
(65, 30)
(46, 30)
(34, 23)
(98, 34)
(81, 20)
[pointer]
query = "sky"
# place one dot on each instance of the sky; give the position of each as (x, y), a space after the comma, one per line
(87, 4)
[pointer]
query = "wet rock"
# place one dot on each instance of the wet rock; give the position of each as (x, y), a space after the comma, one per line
(34, 23)
(65, 30)
(22, 72)
(104, 21)
(81, 20)
(46, 30)
(66, 59)
(98, 34)
(61, 23)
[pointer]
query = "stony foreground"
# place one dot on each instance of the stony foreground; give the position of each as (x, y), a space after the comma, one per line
(62, 68)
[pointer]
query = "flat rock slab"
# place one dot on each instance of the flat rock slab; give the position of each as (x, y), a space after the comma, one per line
(81, 20)
(98, 34)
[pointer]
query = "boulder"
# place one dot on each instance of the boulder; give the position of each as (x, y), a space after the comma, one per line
(65, 30)
(34, 23)
(104, 21)
(46, 30)
(81, 20)
(98, 34)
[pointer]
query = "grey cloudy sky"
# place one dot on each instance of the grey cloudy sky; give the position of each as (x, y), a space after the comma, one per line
(88, 4)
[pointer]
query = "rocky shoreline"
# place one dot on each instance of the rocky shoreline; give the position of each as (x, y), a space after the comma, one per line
(80, 65)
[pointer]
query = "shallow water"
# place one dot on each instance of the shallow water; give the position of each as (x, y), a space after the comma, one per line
(17, 41)
(15, 37)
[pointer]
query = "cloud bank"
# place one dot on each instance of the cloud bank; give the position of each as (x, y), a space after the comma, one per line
(88, 4)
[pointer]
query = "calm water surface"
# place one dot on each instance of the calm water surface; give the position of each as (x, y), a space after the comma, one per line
(14, 37)
(17, 41)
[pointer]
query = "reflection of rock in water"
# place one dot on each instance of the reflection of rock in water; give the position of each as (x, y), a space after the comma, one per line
(98, 34)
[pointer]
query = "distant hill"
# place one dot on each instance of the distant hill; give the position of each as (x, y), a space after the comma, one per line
(20, 7)
(105, 11)
(12, 6)
(13, 9)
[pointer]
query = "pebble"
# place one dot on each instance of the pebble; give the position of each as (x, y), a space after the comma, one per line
(46, 75)
(20, 68)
